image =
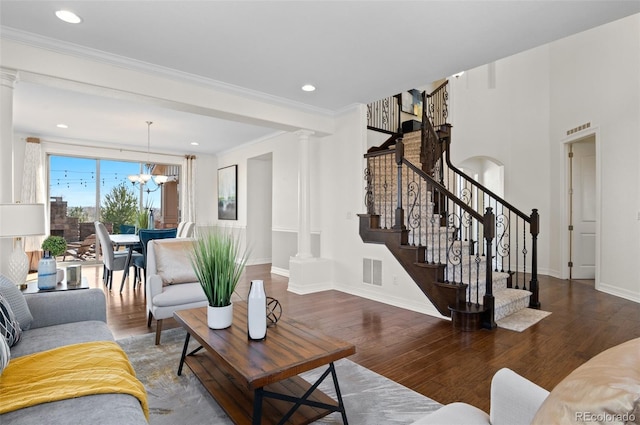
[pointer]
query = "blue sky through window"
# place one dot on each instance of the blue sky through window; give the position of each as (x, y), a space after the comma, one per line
(74, 179)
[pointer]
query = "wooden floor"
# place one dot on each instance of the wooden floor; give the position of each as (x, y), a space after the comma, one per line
(424, 353)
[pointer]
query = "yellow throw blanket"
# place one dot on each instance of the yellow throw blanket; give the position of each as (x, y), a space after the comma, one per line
(67, 372)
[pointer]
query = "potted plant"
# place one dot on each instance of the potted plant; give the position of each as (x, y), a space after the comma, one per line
(142, 216)
(48, 275)
(218, 262)
(55, 245)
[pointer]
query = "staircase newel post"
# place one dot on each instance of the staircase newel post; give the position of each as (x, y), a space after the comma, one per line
(399, 222)
(489, 224)
(534, 301)
(399, 112)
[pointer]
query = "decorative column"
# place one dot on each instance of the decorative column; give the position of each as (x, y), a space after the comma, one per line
(304, 197)
(7, 82)
(307, 273)
(8, 78)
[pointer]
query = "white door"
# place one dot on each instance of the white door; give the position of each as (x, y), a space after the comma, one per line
(583, 217)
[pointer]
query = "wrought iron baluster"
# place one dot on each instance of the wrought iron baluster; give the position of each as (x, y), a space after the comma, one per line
(524, 258)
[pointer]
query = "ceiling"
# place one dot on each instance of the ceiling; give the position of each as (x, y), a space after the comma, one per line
(352, 51)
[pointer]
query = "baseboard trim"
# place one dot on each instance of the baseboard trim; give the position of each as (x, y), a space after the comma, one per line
(256, 261)
(280, 271)
(424, 307)
(618, 292)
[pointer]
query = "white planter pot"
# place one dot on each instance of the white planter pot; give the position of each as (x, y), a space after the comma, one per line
(219, 317)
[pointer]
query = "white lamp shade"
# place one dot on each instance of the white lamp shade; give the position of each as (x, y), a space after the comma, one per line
(17, 220)
(160, 179)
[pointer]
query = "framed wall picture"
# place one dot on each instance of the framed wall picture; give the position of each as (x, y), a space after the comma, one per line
(228, 193)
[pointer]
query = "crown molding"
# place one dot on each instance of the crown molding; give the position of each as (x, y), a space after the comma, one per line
(82, 52)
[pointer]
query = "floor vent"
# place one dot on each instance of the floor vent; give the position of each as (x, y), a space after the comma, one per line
(372, 271)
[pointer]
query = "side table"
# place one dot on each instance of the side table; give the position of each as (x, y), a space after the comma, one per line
(32, 286)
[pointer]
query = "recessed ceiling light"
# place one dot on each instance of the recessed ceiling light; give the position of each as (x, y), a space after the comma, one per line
(68, 16)
(195, 144)
(62, 126)
(308, 87)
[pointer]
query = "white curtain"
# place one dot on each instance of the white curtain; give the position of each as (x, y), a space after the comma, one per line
(188, 190)
(33, 189)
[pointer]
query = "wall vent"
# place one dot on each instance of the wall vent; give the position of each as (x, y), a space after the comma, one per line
(372, 271)
(579, 128)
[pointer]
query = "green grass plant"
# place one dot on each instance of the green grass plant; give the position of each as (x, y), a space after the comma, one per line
(218, 262)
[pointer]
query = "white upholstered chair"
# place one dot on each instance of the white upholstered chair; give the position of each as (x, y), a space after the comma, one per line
(171, 282)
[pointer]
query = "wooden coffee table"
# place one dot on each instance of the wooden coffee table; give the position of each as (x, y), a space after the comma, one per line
(256, 382)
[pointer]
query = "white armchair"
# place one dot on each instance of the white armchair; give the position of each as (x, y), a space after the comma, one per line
(604, 389)
(171, 282)
(514, 401)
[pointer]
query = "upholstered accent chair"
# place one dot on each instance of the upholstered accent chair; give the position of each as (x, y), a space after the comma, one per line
(145, 236)
(172, 284)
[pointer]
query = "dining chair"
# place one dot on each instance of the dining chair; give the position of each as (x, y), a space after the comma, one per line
(145, 236)
(129, 229)
(112, 260)
(185, 229)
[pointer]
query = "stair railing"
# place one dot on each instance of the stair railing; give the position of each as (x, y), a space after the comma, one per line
(385, 115)
(511, 245)
(510, 250)
(402, 196)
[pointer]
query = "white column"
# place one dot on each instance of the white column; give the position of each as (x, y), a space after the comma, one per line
(307, 273)
(304, 196)
(7, 82)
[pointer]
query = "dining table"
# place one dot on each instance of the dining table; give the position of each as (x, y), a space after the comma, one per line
(129, 241)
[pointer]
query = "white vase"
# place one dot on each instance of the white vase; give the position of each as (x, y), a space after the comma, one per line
(219, 317)
(47, 274)
(257, 311)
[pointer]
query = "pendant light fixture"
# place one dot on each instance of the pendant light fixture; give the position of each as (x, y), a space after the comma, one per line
(143, 178)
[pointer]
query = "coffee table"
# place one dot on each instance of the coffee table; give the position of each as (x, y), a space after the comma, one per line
(256, 382)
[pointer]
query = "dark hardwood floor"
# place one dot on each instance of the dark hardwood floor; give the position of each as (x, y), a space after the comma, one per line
(424, 353)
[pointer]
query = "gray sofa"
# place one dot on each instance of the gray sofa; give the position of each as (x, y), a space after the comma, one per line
(63, 318)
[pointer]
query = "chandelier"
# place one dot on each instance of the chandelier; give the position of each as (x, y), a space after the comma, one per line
(143, 179)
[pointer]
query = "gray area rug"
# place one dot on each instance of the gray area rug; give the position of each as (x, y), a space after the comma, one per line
(369, 398)
(522, 319)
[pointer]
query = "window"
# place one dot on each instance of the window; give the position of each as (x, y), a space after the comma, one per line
(83, 190)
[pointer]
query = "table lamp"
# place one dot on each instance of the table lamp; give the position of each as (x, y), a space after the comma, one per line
(18, 221)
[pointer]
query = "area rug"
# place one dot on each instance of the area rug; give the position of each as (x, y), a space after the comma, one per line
(522, 319)
(369, 398)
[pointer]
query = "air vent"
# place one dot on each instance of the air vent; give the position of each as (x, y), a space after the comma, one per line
(579, 128)
(372, 271)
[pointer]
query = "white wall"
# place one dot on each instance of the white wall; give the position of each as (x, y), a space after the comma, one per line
(337, 193)
(284, 153)
(342, 191)
(539, 95)
(595, 78)
(259, 206)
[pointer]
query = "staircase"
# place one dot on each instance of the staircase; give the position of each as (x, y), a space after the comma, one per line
(466, 248)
